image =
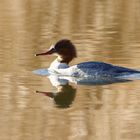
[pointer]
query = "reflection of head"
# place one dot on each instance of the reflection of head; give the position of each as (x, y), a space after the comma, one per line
(63, 97)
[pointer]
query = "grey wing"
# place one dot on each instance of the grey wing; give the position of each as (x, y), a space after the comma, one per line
(101, 66)
(105, 67)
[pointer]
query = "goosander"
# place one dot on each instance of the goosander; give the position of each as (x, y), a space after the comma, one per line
(66, 52)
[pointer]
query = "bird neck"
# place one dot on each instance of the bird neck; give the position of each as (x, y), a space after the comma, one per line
(57, 64)
(64, 59)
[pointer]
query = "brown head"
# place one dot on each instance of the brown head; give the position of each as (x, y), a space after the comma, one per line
(64, 48)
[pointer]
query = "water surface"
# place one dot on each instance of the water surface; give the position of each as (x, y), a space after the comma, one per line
(31, 107)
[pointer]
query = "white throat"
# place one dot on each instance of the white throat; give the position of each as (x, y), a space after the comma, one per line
(56, 64)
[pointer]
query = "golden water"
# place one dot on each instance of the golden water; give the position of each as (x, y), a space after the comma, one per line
(106, 31)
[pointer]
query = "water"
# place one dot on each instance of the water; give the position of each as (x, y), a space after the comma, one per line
(31, 107)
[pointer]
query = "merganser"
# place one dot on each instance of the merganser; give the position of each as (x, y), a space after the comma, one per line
(66, 52)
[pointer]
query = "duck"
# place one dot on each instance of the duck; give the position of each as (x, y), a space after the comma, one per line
(65, 52)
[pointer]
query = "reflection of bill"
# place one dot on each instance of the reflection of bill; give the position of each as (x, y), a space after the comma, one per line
(65, 93)
(63, 97)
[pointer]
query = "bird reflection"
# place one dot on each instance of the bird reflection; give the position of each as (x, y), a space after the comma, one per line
(64, 94)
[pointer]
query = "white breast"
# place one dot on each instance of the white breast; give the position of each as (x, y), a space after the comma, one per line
(63, 69)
